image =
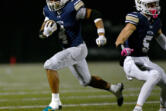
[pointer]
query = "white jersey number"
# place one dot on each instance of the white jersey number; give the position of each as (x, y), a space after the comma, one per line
(62, 33)
(146, 41)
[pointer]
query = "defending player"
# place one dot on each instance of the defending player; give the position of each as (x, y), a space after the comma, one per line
(135, 38)
(66, 16)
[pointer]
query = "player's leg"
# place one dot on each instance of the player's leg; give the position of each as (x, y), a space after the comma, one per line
(161, 84)
(58, 61)
(81, 72)
(163, 98)
(53, 80)
(150, 76)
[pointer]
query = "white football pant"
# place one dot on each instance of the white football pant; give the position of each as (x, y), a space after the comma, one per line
(142, 68)
(74, 58)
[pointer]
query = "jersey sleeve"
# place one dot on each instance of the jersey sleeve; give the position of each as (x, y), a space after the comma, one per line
(132, 18)
(45, 11)
(78, 4)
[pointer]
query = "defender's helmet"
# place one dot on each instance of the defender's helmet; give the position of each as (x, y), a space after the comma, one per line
(149, 7)
(55, 5)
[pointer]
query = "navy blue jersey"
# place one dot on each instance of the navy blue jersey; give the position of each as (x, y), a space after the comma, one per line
(145, 31)
(70, 27)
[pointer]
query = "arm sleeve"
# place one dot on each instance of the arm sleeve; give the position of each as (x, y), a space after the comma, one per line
(95, 15)
(161, 40)
(81, 14)
(78, 4)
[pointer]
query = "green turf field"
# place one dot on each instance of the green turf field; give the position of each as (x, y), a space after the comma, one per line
(24, 87)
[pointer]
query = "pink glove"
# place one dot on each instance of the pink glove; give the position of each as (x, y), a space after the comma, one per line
(126, 51)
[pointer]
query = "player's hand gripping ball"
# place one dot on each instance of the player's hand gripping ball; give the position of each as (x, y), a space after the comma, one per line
(49, 27)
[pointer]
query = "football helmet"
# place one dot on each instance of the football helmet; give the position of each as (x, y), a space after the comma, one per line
(55, 5)
(149, 7)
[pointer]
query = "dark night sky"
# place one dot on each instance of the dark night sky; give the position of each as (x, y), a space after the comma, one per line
(31, 10)
(21, 21)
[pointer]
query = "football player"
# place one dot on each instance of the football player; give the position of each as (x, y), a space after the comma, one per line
(135, 39)
(64, 17)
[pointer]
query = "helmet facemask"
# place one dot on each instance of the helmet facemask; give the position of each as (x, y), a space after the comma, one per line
(148, 7)
(56, 5)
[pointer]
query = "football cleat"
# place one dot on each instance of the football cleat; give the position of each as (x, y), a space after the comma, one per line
(49, 108)
(117, 90)
(138, 109)
(54, 105)
(162, 109)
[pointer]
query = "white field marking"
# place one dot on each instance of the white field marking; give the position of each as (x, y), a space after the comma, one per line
(18, 86)
(73, 97)
(63, 91)
(74, 105)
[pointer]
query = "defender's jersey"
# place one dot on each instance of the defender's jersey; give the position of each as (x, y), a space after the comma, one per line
(70, 33)
(145, 31)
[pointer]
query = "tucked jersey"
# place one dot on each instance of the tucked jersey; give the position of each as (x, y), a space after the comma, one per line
(145, 31)
(70, 32)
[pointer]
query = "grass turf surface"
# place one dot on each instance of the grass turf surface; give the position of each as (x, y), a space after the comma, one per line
(24, 87)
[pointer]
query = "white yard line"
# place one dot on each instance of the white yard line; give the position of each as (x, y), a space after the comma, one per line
(73, 105)
(64, 91)
(73, 97)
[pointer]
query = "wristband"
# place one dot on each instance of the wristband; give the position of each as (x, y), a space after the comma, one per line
(96, 20)
(100, 30)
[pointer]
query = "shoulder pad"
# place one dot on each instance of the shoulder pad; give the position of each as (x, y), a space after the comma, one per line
(132, 18)
(78, 4)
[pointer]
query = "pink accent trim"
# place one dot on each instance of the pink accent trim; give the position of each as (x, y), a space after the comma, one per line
(154, 11)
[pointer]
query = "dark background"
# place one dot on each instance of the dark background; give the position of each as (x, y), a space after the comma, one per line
(21, 21)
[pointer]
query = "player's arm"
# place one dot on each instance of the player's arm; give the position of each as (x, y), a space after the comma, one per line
(93, 15)
(125, 34)
(90, 14)
(41, 35)
(47, 27)
(96, 16)
(161, 39)
(131, 21)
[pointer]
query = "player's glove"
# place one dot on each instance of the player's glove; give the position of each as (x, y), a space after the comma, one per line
(126, 52)
(49, 28)
(101, 40)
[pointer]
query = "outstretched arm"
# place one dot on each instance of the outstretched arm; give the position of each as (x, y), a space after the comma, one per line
(161, 39)
(125, 34)
(93, 15)
(97, 18)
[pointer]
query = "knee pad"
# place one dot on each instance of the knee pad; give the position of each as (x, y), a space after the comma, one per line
(155, 76)
(128, 62)
(85, 82)
(53, 65)
(47, 64)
